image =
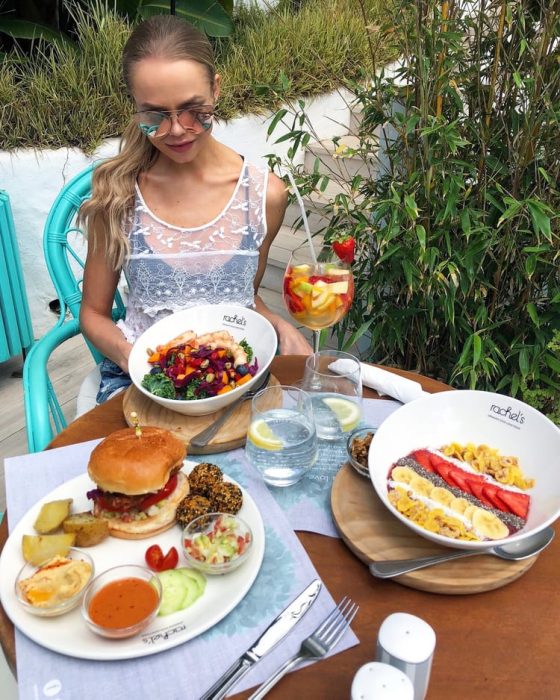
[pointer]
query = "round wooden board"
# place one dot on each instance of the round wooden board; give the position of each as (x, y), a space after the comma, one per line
(231, 435)
(373, 534)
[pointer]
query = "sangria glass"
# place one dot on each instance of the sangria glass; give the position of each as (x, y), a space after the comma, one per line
(317, 293)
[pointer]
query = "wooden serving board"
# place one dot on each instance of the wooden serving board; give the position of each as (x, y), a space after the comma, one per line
(231, 435)
(373, 534)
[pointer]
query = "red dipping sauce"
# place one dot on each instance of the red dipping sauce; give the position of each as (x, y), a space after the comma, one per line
(123, 603)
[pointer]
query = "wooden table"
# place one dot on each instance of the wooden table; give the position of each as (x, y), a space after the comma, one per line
(499, 645)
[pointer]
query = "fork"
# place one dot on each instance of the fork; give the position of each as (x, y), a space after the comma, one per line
(317, 645)
(203, 438)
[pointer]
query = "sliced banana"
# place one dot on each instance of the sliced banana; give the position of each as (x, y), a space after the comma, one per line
(421, 486)
(469, 511)
(403, 474)
(489, 525)
(441, 495)
(459, 505)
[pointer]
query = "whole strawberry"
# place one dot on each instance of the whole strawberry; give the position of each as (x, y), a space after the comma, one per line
(345, 248)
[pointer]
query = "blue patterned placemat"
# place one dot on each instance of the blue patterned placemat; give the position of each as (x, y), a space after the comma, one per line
(186, 671)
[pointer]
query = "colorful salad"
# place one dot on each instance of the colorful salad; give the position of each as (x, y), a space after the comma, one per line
(192, 367)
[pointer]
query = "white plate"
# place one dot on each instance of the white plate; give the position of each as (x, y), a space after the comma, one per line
(69, 635)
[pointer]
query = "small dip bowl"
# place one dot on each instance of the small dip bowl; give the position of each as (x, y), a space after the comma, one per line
(122, 601)
(358, 449)
(217, 543)
(62, 600)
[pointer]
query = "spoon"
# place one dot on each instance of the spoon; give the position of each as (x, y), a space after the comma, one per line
(203, 438)
(523, 549)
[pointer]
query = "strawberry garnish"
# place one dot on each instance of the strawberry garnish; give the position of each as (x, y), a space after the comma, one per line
(344, 248)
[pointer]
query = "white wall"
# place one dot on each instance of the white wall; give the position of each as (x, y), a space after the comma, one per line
(32, 180)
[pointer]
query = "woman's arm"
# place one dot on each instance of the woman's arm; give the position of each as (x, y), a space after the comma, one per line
(292, 341)
(99, 287)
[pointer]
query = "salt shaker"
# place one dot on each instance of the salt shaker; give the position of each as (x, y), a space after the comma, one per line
(408, 642)
(377, 681)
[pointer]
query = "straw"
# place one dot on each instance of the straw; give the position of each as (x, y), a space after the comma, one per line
(304, 217)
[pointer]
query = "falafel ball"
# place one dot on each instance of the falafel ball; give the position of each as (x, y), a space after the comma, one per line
(226, 498)
(204, 477)
(191, 507)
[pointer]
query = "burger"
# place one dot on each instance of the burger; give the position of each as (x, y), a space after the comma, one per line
(139, 482)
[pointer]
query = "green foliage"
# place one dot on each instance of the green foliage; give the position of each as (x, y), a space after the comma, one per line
(72, 95)
(211, 16)
(456, 208)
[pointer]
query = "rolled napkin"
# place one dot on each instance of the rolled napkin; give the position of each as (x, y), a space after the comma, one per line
(385, 383)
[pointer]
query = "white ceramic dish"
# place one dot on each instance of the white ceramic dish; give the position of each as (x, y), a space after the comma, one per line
(69, 634)
(478, 417)
(239, 321)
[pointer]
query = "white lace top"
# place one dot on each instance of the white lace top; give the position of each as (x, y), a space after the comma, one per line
(171, 268)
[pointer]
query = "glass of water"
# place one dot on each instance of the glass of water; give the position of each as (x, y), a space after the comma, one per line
(333, 379)
(281, 440)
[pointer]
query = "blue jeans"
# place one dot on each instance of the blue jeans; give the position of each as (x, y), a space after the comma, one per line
(113, 380)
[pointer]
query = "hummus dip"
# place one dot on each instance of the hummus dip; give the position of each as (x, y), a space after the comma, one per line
(55, 582)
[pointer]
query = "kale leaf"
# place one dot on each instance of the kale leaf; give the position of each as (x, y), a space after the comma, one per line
(159, 385)
(248, 349)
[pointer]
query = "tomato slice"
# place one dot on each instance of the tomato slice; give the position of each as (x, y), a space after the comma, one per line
(156, 561)
(159, 495)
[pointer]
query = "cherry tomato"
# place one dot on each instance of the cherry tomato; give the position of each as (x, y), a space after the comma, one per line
(156, 561)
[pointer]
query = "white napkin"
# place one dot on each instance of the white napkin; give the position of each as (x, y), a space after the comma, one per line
(385, 383)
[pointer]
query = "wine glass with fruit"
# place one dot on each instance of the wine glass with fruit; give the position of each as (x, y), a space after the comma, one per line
(319, 292)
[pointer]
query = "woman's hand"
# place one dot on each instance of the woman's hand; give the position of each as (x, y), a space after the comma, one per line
(290, 340)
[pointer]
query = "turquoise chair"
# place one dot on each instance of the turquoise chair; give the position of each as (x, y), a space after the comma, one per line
(43, 414)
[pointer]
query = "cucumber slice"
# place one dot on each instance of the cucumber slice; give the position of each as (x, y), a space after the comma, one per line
(195, 585)
(174, 591)
(181, 588)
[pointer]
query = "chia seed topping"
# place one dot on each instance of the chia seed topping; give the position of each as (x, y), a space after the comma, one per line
(509, 519)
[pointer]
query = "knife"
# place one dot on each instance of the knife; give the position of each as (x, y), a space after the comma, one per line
(274, 633)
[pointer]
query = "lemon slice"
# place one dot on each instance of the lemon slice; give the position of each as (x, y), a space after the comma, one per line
(261, 435)
(347, 412)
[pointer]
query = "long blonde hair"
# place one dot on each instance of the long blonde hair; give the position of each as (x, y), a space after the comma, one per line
(106, 213)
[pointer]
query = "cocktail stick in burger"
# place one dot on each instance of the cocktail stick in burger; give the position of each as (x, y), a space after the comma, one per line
(139, 482)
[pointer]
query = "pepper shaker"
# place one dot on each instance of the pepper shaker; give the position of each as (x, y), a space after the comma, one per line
(408, 642)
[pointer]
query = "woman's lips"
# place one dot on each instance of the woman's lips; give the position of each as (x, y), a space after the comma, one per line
(180, 147)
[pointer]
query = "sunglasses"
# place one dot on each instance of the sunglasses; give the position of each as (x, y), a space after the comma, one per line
(158, 124)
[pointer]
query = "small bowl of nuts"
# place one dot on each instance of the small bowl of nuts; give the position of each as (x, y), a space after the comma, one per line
(357, 447)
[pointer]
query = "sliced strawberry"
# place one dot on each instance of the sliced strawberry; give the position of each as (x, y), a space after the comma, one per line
(444, 469)
(459, 479)
(477, 490)
(424, 459)
(492, 493)
(516, 503)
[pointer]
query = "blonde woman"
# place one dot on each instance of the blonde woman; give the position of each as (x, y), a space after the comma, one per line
(187, 218)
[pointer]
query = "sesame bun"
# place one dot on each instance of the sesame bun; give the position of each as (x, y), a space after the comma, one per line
(130, 464)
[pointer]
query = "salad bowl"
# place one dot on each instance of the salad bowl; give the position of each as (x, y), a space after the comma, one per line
(242, 323)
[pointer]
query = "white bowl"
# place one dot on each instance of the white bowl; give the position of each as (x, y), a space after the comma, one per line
(238, 320)
(478, 417)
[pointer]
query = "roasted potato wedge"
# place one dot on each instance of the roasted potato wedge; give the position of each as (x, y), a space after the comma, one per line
(88, 529)
(37, 549)
(51, 515)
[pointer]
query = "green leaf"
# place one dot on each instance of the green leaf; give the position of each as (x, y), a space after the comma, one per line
(22, 29)
(477, 349)
(421, 235)
(280, 114)
(532, 311)
(410, 206)
(524, 362)
(541, 222)
(207, 15)
(553, 363)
